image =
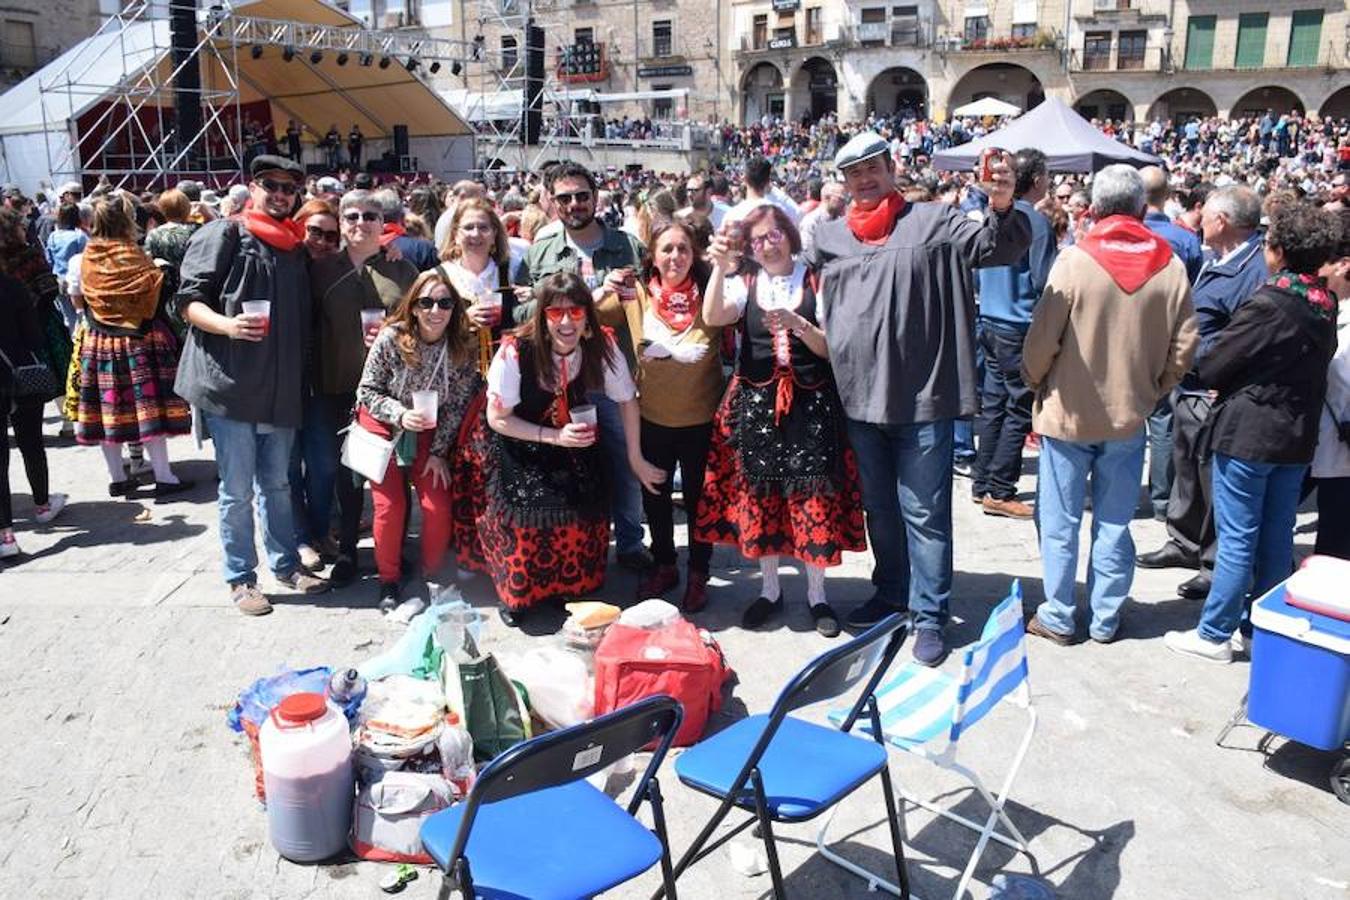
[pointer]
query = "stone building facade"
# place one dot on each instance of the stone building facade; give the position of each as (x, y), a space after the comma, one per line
(34, 32)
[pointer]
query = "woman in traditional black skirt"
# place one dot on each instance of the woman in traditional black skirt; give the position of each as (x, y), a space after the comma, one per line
(545, 528)
(781, 480)
(129, 357)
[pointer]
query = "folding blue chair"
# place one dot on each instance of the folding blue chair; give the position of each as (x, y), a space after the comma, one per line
(919, 705)
(532, 827)
(785, 769)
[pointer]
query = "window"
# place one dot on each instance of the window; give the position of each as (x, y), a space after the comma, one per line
(874, 14)
(815, 28)
(1097, 50)
(1251, 40)
(584, 36)
(1024, 30)
(510, 52)
(663, 107)
(977, 28)
(1024, 19)
(905, 26)
(1305, 37)
(661, 38)
(20, 46)
(1200, 42)
(785, 30)
(761, 31)
(1130, 51)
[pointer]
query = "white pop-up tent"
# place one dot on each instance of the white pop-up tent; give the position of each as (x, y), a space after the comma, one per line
(987, 106)
(60, 122)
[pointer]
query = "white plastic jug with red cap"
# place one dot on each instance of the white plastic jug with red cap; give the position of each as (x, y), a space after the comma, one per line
(307, 771)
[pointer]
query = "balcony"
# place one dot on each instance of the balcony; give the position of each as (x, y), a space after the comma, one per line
(1103, 11)
(1153, 59)
(898, 33)
(955, 43)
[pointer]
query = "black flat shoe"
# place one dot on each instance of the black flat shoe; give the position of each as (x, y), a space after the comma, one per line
(759, 612)
(1196, 588)
(827, 622)
(172, 488)
(121, 488)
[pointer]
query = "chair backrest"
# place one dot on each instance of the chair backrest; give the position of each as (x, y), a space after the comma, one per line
(994, 666)
(561, 757)
(835, 671)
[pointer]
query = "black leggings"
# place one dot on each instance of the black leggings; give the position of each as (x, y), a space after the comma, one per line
(25, 417)
(1333, 517)
(665, 447)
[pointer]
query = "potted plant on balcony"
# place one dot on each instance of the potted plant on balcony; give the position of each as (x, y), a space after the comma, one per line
(1044, 40)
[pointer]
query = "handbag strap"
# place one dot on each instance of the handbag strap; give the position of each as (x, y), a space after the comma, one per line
(13, 368)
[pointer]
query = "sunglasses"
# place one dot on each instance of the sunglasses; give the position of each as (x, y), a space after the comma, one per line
(568, 199)
(556, 314)
(1063, 196)
(774, 237)
(429, 302)
(318, 234)
(351, 217)
(288, 188)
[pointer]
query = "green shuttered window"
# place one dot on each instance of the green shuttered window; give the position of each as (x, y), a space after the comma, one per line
(1200, 42)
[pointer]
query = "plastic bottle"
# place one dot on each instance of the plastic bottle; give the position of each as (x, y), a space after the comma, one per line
(307, 771)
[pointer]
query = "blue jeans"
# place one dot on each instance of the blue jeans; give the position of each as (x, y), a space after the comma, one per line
(1255, 507)
(625, 500)
(253, 460)
(313, 472)
(906, 474)
(1115, 468)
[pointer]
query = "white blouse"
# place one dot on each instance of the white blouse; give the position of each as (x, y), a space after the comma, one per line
(503, 378)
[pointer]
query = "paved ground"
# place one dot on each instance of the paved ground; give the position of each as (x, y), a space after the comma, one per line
(119, 656)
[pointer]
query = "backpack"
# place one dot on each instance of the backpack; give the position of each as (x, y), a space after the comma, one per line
(676, 659)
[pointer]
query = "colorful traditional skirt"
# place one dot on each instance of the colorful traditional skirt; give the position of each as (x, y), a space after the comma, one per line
(126, 387)
(468, 485)
(782, 484)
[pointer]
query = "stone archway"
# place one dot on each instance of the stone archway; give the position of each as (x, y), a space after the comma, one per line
(1006, 81)
(1337, 106)
(815, 87)
(762, 93)
(1105, 103)
(898, 90)
(1255, 102)
(1183, 103)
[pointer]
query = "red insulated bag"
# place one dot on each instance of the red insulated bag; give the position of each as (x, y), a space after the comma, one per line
(675, 659)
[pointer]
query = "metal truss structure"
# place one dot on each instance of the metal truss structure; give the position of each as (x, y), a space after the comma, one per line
(131, 139)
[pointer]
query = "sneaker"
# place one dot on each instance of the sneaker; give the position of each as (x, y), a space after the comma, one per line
(761, 611)
(929, 647)
(302, 582)
(1037, 627)
(309, 558)
(9, 547)
(249, 600)
(826, 619)
(45, 512)
(964, 467)
(1010, 509)
(657, 581)
(388, 596)
(344, 571)
(872, 612)
(1190, 643)
(1239, 642)
(695, 591)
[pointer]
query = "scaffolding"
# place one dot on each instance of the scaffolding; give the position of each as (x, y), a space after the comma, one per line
(131, 142)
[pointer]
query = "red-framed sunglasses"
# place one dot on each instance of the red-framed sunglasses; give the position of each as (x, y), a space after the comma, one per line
(556, 314)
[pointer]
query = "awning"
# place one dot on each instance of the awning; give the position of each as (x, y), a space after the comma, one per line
(671, 94)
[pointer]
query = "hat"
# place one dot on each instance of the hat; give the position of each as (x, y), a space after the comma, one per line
(864, 146)
(328, 185)
(190, 189)
(210, 198)
(268, 162)
(71, 187)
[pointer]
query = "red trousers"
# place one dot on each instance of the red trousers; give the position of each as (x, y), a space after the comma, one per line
(391, 509)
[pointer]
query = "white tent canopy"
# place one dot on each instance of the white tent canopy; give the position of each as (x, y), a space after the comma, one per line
(484, 106)
(987, 106)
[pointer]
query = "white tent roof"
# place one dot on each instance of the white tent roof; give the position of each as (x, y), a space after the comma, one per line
(988, 106)
(483, 106)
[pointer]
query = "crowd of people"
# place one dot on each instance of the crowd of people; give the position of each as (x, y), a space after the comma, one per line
(819, 336)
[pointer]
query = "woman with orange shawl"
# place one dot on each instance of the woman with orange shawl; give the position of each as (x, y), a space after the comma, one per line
(129, 358)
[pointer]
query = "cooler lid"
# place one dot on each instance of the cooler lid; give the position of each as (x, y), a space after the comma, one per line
(303, 707)
(1274, 613)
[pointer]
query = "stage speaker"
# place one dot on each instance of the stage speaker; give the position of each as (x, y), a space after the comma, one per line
(533, 112)
(401, 141)
(187, 83)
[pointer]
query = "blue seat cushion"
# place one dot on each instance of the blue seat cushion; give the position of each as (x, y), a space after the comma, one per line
(806, 769)
(556, 844)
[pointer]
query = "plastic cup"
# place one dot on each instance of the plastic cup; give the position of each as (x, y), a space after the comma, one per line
(424, 403)
(261, 308)
(585, 415)
(492, 299)
(370, 318)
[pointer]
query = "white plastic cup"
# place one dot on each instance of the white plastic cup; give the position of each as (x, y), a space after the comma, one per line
(424, 404)
(493, 299)
(584, 415)
(261, 308)
(371, 318)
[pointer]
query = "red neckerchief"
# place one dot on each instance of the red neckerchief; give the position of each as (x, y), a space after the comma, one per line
(392, 232)
(678, 306)
(279, 234)
(1129, 252)
(874, 226)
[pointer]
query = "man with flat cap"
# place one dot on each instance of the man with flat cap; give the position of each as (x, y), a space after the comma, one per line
(898, 301)
(244, 372)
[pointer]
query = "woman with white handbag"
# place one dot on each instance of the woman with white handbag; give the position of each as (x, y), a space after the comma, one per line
(418, 379)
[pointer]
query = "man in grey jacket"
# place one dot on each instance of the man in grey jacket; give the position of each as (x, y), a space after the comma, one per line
(899, 316)
(244, 371)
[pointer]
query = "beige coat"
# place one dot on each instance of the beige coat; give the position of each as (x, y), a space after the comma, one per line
(1099, 358)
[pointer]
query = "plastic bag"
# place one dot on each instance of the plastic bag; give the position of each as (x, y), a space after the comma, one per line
(417, 651)
(560, 689)
(256, 701)
(650, 614)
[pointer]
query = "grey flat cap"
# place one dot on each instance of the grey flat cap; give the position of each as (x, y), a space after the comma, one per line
(863, 146)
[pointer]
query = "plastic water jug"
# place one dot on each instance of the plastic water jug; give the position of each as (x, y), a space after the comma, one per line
(307, 771)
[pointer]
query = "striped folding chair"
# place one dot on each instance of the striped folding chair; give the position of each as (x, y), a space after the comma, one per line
(920, 705)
